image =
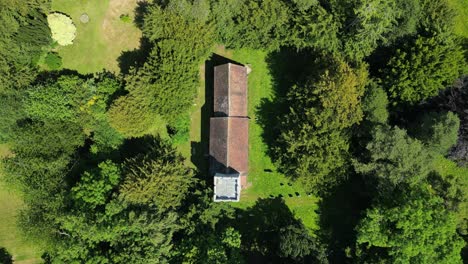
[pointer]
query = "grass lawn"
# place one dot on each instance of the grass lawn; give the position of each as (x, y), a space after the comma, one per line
(461, 21)
(101, 41)
(23, 251)
(263, 184)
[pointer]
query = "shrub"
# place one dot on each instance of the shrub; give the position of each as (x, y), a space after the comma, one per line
(125, 18)
(53, 61)
(62, 28)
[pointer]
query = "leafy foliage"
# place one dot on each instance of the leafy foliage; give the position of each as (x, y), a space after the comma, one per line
(53, 61)
(312, 142)
(157, 182)
(375, 104)
(23, 33)
(370, 24)
(166, 84)
(422, 68)
(395, 158)
(94, 187)
(413, 227)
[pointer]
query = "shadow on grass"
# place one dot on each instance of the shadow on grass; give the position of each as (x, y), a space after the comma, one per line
(200, 150)
(340, 212)
(134, 58)
(5, 256)
(263, 229)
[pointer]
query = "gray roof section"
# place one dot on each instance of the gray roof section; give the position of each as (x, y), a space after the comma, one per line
(226, 187)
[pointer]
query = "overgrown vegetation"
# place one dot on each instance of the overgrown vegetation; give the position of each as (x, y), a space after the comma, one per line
(367, 115)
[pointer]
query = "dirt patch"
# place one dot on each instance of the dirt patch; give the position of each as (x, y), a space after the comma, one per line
(117, 32)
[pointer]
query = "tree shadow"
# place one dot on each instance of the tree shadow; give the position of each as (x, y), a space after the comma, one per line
(137, 57)
(200, 150)
(5, 256)
(287, 67)
(340, 212)
(261, 227)
(140, 11)
(134, 58)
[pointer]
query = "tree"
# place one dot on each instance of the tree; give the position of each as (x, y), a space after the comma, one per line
(421, 68)
(304, 5)
(439, 131)
(314, 27)
(124, 110)
(166, 84)
(258, 24)
(369, 25)
(53, 61)
(296, 243)
(438, 17)
(375, 104)
(312, 143)
(62, 28)
(40, 164)
(395, 158)
(411, 227)
(69, 98)
(118, 234)
(116, 221)
(10, 112)
(23, 34)
(157, 178)
(410, 14)
(94, 187)
(452, 188)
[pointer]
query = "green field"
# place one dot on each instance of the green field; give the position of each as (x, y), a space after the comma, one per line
(262, 184)
(100, 42)
(23, 251)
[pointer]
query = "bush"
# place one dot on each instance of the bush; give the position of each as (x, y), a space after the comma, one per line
(62, 28)
(53, 61)
(125, 18)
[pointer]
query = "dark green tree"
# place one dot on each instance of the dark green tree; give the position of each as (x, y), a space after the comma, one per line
(157, 178)
(258, 24)
(395, 158)
(375, 104)
(297, 244)
(313, 142)
(314, 27)
(421, 68)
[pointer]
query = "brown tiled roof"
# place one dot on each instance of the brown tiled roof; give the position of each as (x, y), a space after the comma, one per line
(229, 145)
(230, 90)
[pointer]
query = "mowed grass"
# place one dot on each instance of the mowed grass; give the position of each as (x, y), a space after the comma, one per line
(263, 184)
(461, 20)
(100, 42)
(23, 251)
